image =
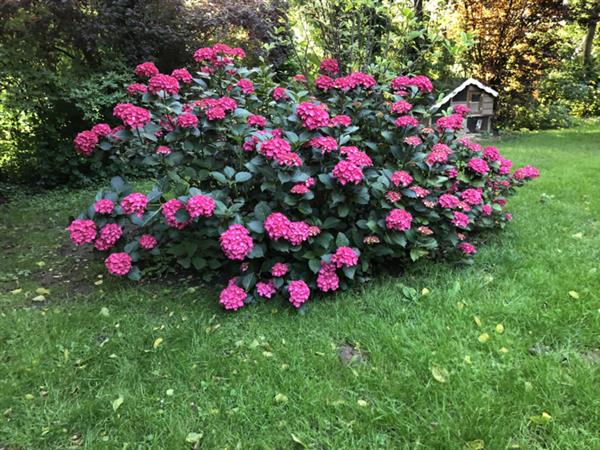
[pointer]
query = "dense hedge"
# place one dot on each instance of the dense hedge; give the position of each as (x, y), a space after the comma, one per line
(285, 192)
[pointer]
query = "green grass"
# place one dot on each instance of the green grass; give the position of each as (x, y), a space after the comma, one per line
(63, 362)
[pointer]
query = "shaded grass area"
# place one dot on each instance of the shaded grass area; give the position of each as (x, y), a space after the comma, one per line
(432, 371)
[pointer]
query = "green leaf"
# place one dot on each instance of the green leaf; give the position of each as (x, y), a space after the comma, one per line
(341, 240)
(314, 265)
(241, 177)
(116, 404)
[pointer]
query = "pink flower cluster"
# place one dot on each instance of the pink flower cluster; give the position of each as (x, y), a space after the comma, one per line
(401, 178)
(146, 70)
(472, 196)
(279, 269)
(280, 151)
(246, 86)
(104, 206)
(326, 144)
(347, 172)
(398, 219)
(82, 231)
(341, 120)
(344, 257)
(118, 263)
(277, 226)
(147, 241)
(299, 292)
(169, 210)
(134, 203)
(200, 206)
(526, 173)
(406, 121)
(182, 75)
(218, 55)
(131, 115)
(255, 120)
(187, 120)
(453, 122)
(448, 201)
(423, 84)
(478, 165)
(109, 235)
(164, 83)
(137, 88)
(85, 142)
(279, 94)
(355, 156)
(313, 115)
(327, 279)
(461, 220)
(232, 297)
(236, 242)
(329, 66)
(400, 107)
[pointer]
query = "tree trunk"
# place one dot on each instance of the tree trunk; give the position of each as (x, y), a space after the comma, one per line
(588, 44)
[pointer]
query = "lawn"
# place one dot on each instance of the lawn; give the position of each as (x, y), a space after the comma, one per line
(504, 353)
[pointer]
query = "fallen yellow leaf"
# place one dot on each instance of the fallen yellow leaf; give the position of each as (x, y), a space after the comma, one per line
(157, 342)
(484, 337)
(477, 321)
(574, 295)
(467, 359)
(361, 403)
(499, 328)
(439, 373)
(503, 350)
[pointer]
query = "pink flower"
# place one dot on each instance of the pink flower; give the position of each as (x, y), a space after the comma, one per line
(344, 257)
(341, 120)
(276, 225)
(448, 201)
(463, 110)
(526, 173)
(137, 88)
(400, 107)
(246, 86)
(371, 240)
(147, 241)
(279, 269)
(406, 121)
(327, 280)
(280, 150)
(460, 220)
(182, 75)
(109, 235)
(313, 116)
(491, 154)
(401, 178)
(131, 115)
(187, 120)
(279, 94)
(134, 203)
(478, 165)
(163, 150)
(299, 78)
(508, 216)
(426, 231)
(327, 144)
(297, 232)
(486, 210)
(419, 191)
(101, 129)
(467, 248)
(165, 83)
(169, 210)
(329, 66)
(216, 113)
(204, 54)
(398, 219)
(265, 289)
(436, 157)
(300, 189)
(146, 70)
(232, 297)
(200, 205)
(422, 83)
(118, 263)
(104, 206)
(236, 242)
(472, 196)
(85, 142)
(452, 122)
(255, 120)
(323, 82)
(393, 196)
(82, 231)
(354, 80)
(505, 166)
(347, 172)
(413, 141)
(299, 292)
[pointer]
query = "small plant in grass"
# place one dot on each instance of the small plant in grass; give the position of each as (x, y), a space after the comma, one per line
(284, 192)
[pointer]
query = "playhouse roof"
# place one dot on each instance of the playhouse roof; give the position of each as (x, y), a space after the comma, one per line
(467, 82)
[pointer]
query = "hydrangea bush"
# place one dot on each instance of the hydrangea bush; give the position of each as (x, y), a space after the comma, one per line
(285, 192)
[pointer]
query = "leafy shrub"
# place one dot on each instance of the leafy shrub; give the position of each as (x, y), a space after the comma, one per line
(284, 192)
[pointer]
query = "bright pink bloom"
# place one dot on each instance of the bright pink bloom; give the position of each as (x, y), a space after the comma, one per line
(472, 196)
(478, 165)
(327, 280)
(393, 196)
(491, 154)
(299, 292)
(146, 70)
(297, 232)
(327, 144)
(165, 83)
(109, 235)
(204, 54)
(398, 219)
(486, 210)
(300, 188)
(467, 248)
(426, 231)
(354, 80)
(246, 86)
(460, 220)
(436, 157)
(118, 263)
(163, 150)
(400, 107)
(448, 201)
(401, 178)
(452, 122)
(187, 120)
(279, 94)
(169, 210)
(400, 84)
(200, 205)
(508, 216)
(236, 242)
(344, 257)
(505, 166)
(323, 82)
(341, 120)
(232, 297)
(147, 241)
(82, 231)
(313, 115)
(182, 75)
(347, 172)
(406, 121)
(419, 191)
(131, 115)
(265, 289)
(137, 88)
(216, 113)
(526, 173)
(85, 142)
(104, 206)
(101, 129)
(299, 78)
(134, 203)
(463, 110)
(413, 141)
(279, 269)
(329, 66)
(276, 225)
(358, 158)
(255, 120)
(279, 150)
